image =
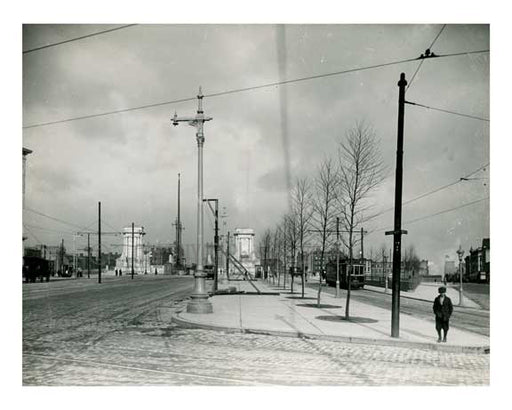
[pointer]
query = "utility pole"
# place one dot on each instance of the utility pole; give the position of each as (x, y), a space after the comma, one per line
(227, 257)
(99, 233)
(199, 299)
(179, 228)
(99, 242)
(74, 255)
(397, 232)
(215, 240)
(62, 257)
(337, 257)
(133, 236)
(88, 255)
(362, 247)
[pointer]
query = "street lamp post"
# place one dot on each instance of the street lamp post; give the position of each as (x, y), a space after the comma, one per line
(199, 299)
(460, 253)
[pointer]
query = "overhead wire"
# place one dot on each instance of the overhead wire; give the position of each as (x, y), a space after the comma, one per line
(77, 38)
(239, 90)
(429, 192)
(49, 229)
(448, 111)
(32, 233)
(423, 60)
(435, 214)
(52, 217)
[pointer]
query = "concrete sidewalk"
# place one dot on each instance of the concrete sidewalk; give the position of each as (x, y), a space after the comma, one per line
(428, 292)
(287, 314)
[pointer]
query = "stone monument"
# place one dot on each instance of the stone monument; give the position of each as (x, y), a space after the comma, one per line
(140, 260)
(244, 249)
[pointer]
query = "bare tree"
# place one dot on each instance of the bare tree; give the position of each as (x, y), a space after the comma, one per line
(303, 211)
(265, 251)
(285, 253)
(291, 235)
(361, 170)
(276, 246)
(411, 261)
(324, 202)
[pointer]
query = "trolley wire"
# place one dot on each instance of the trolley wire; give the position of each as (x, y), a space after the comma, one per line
(422, 61)
(448, 111)
(435, 214)
(245, 89)
(430, 192)
(77, 38)
(55, 219)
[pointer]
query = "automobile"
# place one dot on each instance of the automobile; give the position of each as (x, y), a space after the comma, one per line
(35, 268)
(209, 271)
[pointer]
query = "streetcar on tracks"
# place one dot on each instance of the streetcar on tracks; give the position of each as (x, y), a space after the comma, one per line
(356, 276)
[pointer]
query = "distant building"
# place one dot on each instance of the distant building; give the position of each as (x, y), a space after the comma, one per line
(244, 249)
(478, 263)
(449, 268)
(423, 268)
(24, 152)
(160, 255)
(314, 260)
(138, 259)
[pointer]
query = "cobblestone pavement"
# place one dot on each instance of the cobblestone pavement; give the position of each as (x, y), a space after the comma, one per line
(134, 344)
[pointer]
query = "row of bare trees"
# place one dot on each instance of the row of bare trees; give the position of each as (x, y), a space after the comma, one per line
(339, 190)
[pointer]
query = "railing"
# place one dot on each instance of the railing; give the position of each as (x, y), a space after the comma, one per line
(241, 269)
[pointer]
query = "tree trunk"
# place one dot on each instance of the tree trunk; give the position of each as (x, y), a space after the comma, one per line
(348, 276)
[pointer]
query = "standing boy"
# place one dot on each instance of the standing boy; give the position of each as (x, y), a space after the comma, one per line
(443, 309)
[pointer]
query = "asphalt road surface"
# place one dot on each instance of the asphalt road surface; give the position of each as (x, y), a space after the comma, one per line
(81, 333)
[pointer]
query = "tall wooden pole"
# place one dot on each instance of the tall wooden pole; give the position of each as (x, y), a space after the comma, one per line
(99, 242)
(88, 256)
(178, 228)
(227, 257)
(397, 232)
(216, 244)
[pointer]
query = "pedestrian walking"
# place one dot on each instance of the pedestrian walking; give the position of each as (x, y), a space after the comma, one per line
(443, 309)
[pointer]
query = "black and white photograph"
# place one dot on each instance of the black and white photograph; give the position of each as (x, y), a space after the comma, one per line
(266, 204)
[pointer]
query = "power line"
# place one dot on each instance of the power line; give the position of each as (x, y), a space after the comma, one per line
(78, 38)
(449, 112)
(48, 229)
(55, 219)
(421, 63)
(32, 233)
(446, 210)
(239, 90)
(110, 226)
(435, 214)
(429, 192)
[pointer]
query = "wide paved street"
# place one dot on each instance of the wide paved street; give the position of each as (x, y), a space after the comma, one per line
(77, 332)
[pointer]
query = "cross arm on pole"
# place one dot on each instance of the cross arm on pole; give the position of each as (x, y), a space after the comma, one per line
(401, 232)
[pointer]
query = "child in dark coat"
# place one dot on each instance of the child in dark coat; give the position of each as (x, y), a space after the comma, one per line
(443, 309)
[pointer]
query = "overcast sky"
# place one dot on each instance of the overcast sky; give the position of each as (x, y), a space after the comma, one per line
(130, 161)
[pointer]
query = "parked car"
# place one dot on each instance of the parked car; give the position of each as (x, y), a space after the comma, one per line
(209, 270)
(35, 267)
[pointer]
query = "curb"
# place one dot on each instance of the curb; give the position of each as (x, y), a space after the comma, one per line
(346, 339)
